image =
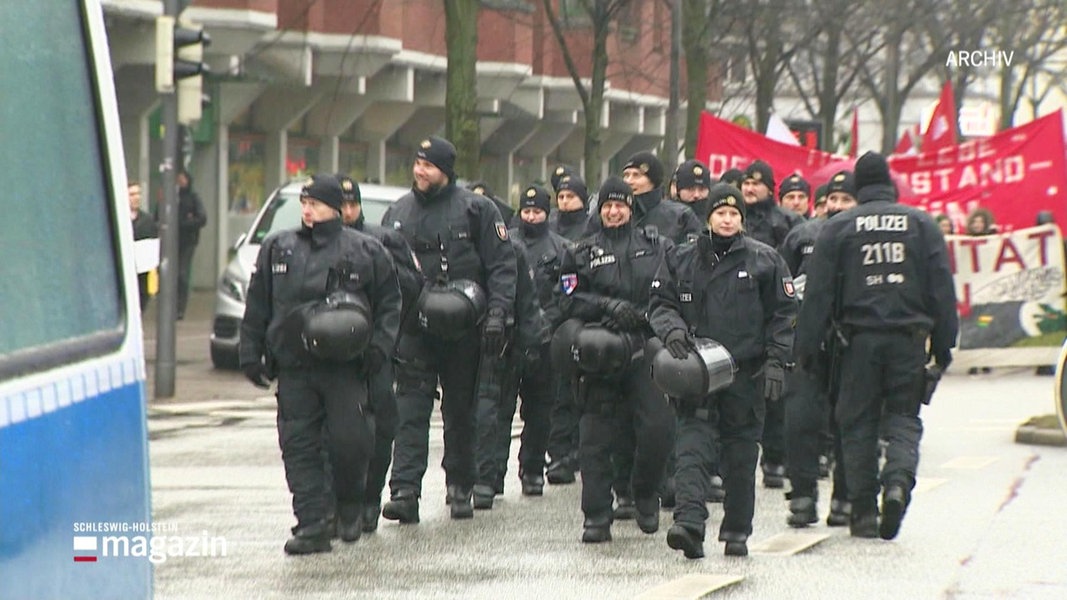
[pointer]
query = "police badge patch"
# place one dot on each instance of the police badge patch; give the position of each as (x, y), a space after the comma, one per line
(787, 285)
(569, 283)
(502, 231)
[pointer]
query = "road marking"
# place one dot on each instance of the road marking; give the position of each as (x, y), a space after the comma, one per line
(970, 462)
(925, 484)
(787, 544)
(690, 587)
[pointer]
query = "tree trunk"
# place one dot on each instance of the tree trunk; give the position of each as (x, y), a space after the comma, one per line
(461, 96)
(595, 107)
(828, 92)
(891, 112)
(694, 40)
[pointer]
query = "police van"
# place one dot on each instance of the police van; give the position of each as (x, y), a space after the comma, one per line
(281, 211)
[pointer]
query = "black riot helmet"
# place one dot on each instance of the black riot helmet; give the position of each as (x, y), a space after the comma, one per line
(604, 352)
(339, 328)
(561, 348)
(451, 309)
(708, 368)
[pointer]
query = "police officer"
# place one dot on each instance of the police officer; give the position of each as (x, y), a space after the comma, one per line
(571, 197)
(737, 291)
(643, 172)
(506, 212)
(605, 282)
(693, 181)
(819, 207)
(327, 384)
(733, 177)
(570, 223)
(461, 243)
(767, 222)
(895, 295)
(808, 418)
(382, 399)
(527, 364)
(795, 195)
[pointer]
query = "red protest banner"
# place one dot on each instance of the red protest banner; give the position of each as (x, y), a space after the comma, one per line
(1015, 174)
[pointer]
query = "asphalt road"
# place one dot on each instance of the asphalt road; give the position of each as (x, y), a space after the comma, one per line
(986, 520)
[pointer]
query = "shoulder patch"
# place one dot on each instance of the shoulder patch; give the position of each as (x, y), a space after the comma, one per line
(568, 283)
(502, 231)
(788, 288)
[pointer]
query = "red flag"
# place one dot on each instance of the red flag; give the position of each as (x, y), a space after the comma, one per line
(941, 130)
(854, 135)
(905, 144)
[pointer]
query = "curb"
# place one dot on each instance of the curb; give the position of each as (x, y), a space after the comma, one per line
(1028, 434)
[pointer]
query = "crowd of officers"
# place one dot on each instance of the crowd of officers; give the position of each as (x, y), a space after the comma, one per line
(654, 334)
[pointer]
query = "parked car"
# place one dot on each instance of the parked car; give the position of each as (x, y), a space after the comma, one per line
(280, 211)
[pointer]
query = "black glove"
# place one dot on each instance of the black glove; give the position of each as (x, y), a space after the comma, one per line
(624, 314)
(493, 332)
(257, 373)
(943, 359)
(373, 360)
(678, 343)
(773, 380)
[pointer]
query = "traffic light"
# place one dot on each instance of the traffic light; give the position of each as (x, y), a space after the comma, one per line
(179, 58)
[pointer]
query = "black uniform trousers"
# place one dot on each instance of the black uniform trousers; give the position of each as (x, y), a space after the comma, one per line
(773, 438)
(421, 361)
(807, 414)
(732, 419)
(881, 386)
(383, 401)
(495, 416)
(324, 401)
(625, 407)
(563, 433)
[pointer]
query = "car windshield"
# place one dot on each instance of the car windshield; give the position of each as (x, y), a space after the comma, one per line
(283, 212)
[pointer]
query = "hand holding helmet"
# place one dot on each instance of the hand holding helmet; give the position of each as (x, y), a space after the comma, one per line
(678, 343)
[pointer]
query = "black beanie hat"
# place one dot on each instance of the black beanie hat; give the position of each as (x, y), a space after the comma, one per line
(760, 171)
(842, 181)
(481, 187)
(692, 173)
(559, 173)
(794, 183)
(724, 194)
(441, 153)
(536, 196)
(349, 189)
(573, 183)
(872, 169)
(325, 189)
(734, 177)
(647, 163)
(614, 189)
(820, 194)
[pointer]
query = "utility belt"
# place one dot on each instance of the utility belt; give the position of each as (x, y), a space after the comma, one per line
(916, 331)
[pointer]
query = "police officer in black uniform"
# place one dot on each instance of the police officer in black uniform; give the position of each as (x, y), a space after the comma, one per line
(895, 296)
(808, 419)
(794, 195)
(605, 282)
(382, 399)
(643, 172)
(506, 212)
(767, 222)
(737, 291)
(321, 380)
(571, 198)
(529, 370)
(693, 181)
(458, 237)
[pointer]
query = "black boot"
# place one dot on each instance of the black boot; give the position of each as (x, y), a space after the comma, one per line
(533, 484)
(596, 531)
(309, 539)
(403, 507)
(624, 508)
(560, 471)
(802, 511)
(894, 504)
(370, 517)
(648, 514)
(460, 506)
(864, 523)
(483, 496)
(736, 543)
(773, 476)
(840, 513)
(685, 539)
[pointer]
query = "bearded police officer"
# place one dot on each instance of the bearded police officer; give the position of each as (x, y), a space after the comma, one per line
(323, 352)
(605, 282)
(736, 291)
(643, 172)
(895, 296)
(808, 419)
(382, 399)
(461, 243)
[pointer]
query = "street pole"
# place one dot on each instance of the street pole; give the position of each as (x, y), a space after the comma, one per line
(670, 139)
(168, 238)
